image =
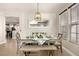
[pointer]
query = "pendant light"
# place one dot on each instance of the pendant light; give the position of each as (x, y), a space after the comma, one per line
(37, 16)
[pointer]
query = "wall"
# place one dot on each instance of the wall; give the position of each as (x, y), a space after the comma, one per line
(2, 28)
(51, 29)
(24, 24)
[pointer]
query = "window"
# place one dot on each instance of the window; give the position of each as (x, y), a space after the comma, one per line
(74, 24)
(63, 24)
(78, 33)
(69, 24)
(73, 33)
(73, 14)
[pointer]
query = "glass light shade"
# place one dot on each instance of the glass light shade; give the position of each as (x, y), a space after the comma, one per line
(37, 16)
(33, 22)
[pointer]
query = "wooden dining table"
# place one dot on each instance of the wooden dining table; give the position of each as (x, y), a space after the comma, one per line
(35, 48)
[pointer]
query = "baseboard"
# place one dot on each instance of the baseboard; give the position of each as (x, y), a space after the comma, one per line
(68, 51)
(2, 42)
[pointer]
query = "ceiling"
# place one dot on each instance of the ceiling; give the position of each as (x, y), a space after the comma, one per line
(31, 7)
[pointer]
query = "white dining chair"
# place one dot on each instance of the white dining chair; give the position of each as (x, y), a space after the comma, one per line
(19, 42)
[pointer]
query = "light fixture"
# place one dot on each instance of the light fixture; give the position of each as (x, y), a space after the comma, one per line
(37, 16)
(33, 22)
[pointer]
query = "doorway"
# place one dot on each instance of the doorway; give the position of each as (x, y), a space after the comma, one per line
(12, 26)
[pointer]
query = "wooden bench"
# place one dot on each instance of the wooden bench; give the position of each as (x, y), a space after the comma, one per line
(36, 48)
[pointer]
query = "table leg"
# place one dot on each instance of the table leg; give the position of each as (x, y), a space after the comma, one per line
(26, 53)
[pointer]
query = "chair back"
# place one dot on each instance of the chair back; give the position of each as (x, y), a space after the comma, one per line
(19, 43)
(18, 36)
(60, 36)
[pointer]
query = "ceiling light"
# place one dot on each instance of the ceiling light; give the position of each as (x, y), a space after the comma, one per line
(37, 16)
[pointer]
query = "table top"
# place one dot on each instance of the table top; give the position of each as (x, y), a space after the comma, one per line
(40, 41)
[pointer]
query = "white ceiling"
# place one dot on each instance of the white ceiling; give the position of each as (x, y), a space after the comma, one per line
(31, 7)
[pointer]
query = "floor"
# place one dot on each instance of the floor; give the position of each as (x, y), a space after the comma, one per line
(9, 49)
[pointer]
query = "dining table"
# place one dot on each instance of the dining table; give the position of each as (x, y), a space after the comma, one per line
(28, 47)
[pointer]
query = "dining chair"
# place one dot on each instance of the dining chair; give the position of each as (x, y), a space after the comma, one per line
(19, 42)
(58, 43)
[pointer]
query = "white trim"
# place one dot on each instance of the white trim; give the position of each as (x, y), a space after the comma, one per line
(2, 42)
(68, 51)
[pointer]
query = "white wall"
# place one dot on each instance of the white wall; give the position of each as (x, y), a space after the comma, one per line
(2, 28)
(51, 29)
(24, 24)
